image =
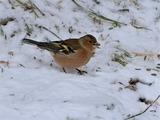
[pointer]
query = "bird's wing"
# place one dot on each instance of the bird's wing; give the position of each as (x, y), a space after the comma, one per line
(67, 46)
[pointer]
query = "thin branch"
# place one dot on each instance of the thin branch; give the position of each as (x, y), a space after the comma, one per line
(133, 116)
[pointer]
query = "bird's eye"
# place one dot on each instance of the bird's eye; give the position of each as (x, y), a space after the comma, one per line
(90, 41)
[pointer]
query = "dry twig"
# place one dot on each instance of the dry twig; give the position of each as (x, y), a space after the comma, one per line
(142, 112)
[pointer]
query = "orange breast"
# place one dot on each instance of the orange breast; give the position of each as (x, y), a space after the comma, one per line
(75, 60)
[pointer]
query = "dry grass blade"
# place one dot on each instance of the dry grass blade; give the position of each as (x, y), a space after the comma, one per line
(30, 6)
(29, 29)
(50, 31)
(120, 56)
(39, 10)
(140, 27)
(119, 59)
(33, 9)
(113, 22)
(24, 4)
(1, 31)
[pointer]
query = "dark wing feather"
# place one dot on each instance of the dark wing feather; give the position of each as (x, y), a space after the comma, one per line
(67, 46)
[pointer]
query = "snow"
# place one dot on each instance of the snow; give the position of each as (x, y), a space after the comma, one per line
(34, 87)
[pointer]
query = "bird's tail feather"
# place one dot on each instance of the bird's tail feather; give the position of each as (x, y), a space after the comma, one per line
(43, 45)
(30, 41)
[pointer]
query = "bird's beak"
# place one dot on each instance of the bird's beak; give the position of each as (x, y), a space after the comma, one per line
(96, 45)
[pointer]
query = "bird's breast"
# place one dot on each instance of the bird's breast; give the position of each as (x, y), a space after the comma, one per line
(73, 60)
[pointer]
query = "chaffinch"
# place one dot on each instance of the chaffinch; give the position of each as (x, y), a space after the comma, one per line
(71, 53)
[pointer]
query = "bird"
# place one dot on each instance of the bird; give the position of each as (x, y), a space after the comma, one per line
(71, 53)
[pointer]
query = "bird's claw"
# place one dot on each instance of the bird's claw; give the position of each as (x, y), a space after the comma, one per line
(81, 72)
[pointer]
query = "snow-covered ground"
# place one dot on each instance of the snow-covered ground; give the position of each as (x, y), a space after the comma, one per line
(34, 87)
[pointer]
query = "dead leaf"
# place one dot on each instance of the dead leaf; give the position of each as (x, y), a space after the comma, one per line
(4, 62)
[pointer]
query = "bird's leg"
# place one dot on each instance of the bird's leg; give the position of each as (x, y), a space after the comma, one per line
(64, 70)
(81, 72)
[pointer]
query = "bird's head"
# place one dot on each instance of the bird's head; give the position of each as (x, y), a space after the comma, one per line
(89, 42)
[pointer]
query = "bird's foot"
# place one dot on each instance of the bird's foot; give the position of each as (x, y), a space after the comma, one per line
(81, 72)
(64, 70)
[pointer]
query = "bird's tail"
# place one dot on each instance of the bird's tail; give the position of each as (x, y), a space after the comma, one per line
(42, 45)
(50, 46)
(29, 41)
